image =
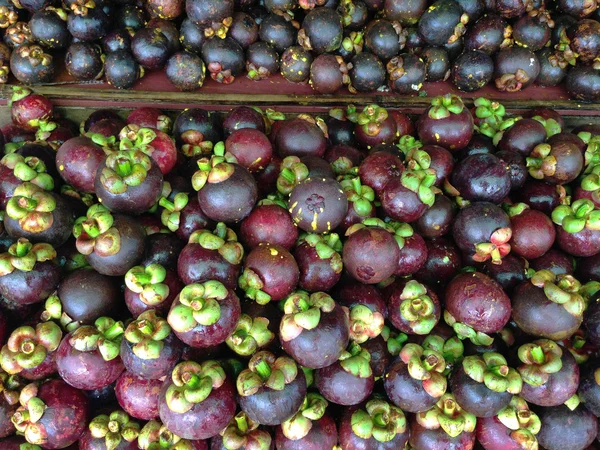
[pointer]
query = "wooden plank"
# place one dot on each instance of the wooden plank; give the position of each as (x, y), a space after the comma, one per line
(155, 89)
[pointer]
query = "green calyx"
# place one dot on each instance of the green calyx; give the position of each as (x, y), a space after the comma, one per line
(23, 256)
(551, 126)
(85, 198)
(244, 433)
(192, 383)
(421, 183)
(30, 169)
(26, 418)
(370, 119)
(365, 324)
(490, 113)
(540, 359)
(27, 347)
(251, 334)
(148, 282)
(401, 232)
(451, 349)
(524, 423)
(125, 169)
(299, 425)
(171, 214)
(464, 331)
(252, 284)
(360, 195)
(408, 144)
(45, 129)
(114, 428)
(417, 308)
(10, 388)
(134, 137)
(266, 371)
(292, 172)
(156, 436)
(198, 305)
(53, 310)
(426, 365)
(19, 93)
(394, 341)
(146, 333)
(592, 151)
(591, 183)
(215, 169)
(353, 43)
(581, 214)
(108, 143)
(449, 416)
(418, 159)
(541, 163)
(32, 207)
(104, 336)
(378, 420)
(327, 247)
(356, 361)
(303, 312)
(194, 144)
(445, 105)
(223, 240)
(562, 289)
(95, 232)
(492, 370)
(496, 249)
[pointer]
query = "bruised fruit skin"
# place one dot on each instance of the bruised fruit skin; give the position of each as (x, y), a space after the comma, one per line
(208, 412)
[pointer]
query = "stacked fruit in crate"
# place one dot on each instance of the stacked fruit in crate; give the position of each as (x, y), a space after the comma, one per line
(365, 45)
(358, 281)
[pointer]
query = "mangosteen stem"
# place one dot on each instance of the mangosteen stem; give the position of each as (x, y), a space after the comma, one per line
(242, 423)
(263, 369)
(145, 327)
(449, 407)
(380, 420)
(28, 204)
(191, 380)
(537, 354)
(22, 248)
(123, 167)
(27, 347)
(114, 331)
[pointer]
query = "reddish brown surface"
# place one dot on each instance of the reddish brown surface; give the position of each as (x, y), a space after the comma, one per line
(278, 91)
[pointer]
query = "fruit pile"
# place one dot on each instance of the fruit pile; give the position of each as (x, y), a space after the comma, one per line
(365, 45)
(359, 282)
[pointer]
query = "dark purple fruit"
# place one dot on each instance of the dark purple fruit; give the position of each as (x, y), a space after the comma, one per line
(442, 23)
(406, 73)
(49, 28)
(472, 70)
(84, 61)
(262, 60)
(295, 64)
(278, 32)
(31, 65)
(88, 24)
(224, 59)
(186, 71)
(321, 30)
(121, 69)
(516, 69)
(437, 63)
(150, 47)
(367, 73)
(566, 429)
(138, 396)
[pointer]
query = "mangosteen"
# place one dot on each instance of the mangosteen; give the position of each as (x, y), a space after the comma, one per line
(86, 23)
(262, 61)
(577, 232)
(383, 38)
(314, 330)
(121, 69)
(405, 13)
(367, 73)
(328, 73)
(437, 63)
(472, 70)
(406, 73)
(295, 64)
(224, 59)
(278, 32)
(488, 34)
(321, 30)
(582, 83)
(516, 69)
(443, 23)
(204, 413)
(186, 71)
(31, 65)
(49, 28)
(447, 123)
(150, 48)
(84, 61)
